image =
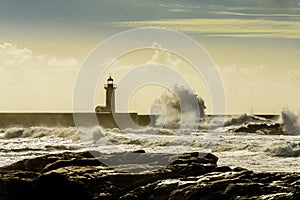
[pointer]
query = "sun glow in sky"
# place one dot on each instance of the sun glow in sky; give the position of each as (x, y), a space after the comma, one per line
(255, 44)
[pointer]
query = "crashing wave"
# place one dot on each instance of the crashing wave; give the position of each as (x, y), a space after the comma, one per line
(180, 108)
(269, 129)
(287, 149)
(37, 132)
(291, 122)
(253, 124)
(245, 119)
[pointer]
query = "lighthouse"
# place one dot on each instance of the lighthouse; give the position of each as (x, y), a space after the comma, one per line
(110, 97)
(110, 94)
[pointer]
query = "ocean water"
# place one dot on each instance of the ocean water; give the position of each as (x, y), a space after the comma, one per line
(259, 150)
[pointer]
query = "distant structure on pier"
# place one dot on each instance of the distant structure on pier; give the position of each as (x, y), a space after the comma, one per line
(108, 117)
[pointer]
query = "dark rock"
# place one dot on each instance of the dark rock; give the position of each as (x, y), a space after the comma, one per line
(72, 162)
(139, 151)
(238, 169)
(222, 169)
(57, 186)
(196, 157)
(188, 176)
(12, 187)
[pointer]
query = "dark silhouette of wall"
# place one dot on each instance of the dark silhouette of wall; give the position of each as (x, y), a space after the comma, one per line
(106, 120)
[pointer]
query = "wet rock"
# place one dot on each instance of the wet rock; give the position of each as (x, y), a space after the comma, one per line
(222, 169)
(87, 175)
(139, 151)
(57, 186)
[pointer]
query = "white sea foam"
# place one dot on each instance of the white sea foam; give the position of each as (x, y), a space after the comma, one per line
(285, 149)
(37, 132)
(250, 150)
(259, 152)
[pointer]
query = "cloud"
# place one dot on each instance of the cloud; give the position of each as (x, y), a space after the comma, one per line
(255, 6)
(255, 28)
(162, 56)
(180, 7)
(29, 81)
(293, 74)
(178, 10)
(247, 77)
(13, 57)
(66, 62)
(255, 14)
(154, 55)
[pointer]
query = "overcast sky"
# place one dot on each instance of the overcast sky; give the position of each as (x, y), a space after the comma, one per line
(255, 44)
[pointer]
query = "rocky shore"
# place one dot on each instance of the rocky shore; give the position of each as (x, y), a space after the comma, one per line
(190, 176)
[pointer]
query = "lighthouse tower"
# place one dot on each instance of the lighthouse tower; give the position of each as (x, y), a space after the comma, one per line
(110, 95)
